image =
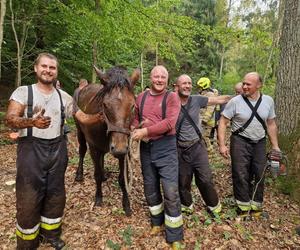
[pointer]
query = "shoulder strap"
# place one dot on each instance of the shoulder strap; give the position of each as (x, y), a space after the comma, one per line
(178, 129)
(164, 105)
(254, 113)
(189, 118)
(62, 112)
(29, 107)
(142, 106)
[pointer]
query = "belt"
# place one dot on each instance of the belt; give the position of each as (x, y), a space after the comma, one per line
(187, 143)
(250, 140)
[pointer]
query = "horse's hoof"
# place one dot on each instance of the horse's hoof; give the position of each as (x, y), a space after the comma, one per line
(98, 203)
(79, 178)
(128, 212)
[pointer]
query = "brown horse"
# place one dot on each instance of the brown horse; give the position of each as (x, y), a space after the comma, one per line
(114, 101)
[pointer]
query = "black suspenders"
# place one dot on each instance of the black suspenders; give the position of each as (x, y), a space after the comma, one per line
(30, 112)
(186, 115)
(254, 113)
(163, 105)
(29, 108)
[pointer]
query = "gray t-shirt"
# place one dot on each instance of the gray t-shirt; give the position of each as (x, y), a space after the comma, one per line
(239, 112)
(187, 131)
(51, 104)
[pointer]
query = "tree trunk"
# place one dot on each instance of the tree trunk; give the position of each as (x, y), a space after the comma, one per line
(287, 92)
(94, 61)
(142, 72)
(2, 15)
(223, 46)
(275, 40)
(25, 27)
(287, 95)
(95, 50)
(18, 75)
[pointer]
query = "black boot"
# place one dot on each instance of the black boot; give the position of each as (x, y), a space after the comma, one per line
(57, 244)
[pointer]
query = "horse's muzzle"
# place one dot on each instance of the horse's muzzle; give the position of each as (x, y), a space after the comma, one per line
(117, 152)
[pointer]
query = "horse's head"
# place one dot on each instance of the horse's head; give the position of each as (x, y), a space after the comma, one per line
(118, 106)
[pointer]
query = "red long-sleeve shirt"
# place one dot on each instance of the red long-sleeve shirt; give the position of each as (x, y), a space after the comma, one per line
(152, 114)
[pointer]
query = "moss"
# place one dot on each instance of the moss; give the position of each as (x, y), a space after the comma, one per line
(290, 145)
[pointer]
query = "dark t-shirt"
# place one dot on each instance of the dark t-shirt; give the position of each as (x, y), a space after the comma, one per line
(187, 131)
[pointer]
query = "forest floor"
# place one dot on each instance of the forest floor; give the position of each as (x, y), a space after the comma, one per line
(107, 227)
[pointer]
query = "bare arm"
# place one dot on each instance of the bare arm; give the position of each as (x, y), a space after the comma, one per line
(223, 123)
(87, 118)
(14, 117)
(272, 132)
(213, 100)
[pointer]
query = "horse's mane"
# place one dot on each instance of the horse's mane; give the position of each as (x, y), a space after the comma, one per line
(117, 77)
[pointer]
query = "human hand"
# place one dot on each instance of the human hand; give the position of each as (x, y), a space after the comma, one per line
(40, 121)
(224, 151)
(139, 134)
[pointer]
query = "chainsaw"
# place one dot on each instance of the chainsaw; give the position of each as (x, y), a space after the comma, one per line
(277, 163)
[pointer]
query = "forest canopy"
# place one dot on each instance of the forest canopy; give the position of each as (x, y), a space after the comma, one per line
(218, 39)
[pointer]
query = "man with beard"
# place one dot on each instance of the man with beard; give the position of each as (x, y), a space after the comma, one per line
(252, 118)
(38, 111)
(192, 152)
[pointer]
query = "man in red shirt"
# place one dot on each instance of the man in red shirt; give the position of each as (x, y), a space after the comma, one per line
(157, 111)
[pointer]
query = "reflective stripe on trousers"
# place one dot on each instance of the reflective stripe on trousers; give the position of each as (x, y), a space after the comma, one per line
(40, 190)
(158, 209)
(248, 162)
(50, 224)
(160, 166)
(29, 233)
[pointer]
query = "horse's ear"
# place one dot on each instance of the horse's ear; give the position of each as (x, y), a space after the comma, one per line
(135, 76)
(102, 76)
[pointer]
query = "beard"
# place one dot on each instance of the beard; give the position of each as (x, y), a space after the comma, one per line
(45, 81)
(183, 93)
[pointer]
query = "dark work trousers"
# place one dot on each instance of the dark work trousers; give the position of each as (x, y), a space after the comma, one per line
(160, 164)
(40, 189)
(193, 160)
(248, 162)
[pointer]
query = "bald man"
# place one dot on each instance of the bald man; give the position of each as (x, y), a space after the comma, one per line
(238, 88)
(192, 151)
(156, 114)
(248, 142)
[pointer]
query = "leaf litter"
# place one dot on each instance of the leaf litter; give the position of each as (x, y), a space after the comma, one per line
(107, 227)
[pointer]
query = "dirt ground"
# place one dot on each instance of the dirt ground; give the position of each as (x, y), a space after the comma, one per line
(106, 227)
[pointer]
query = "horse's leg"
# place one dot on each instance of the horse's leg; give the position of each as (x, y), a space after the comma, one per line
(98, 160)
(125, 199)
(82, 152)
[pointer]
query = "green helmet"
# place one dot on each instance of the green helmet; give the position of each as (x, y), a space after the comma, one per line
(203, 83)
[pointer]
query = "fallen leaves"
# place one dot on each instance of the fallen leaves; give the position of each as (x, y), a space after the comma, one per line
(106, 227)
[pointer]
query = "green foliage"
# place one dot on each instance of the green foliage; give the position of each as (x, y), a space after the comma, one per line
(127, 236)
(111, 245)
(246, 234)
(289, 185)
(4, 141)
(230, 214)
(186, 36)
(193, 220)
(226, 85)
(227, 235)
(118, 211)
